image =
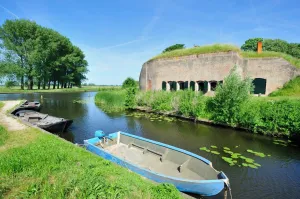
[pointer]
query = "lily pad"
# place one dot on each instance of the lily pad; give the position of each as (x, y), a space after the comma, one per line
(228, 160)
(242, 157)
(256, 164)
(215, 152)
(269, 155)
(252, 166)
(249, 160)
(234, 156)
(212, 146)
(226, 148)
(229, 152)
(236, 146)
(203, 148)
(262, 155)
(282, 141)
(249, 150)
(244, 164)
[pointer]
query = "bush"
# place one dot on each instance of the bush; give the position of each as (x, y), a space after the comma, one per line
(174, 47)
(225, 106)
(130, 101)
(162, 101)
(274, 117)
(129, 82)
(192, 104)
(251, 44)
(9, 84)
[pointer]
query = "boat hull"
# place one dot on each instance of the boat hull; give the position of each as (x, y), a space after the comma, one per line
(57, 127)
(200, 187)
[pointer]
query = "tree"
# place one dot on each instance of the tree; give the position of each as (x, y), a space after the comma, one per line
(294, 50)
(230, 95)
(128, 83)
(276, 45)
(40, 55)
(251, 44)
(174, 47)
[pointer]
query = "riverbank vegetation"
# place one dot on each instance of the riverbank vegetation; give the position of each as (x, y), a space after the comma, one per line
(34, 55)
(34, 164)
(232, 105)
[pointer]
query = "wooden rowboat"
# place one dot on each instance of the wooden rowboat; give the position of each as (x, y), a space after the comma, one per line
(159, 162)
(35, 106)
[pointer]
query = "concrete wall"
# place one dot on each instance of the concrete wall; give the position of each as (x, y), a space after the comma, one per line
(214, 67)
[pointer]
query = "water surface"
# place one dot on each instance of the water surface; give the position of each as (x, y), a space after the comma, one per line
(279, 176)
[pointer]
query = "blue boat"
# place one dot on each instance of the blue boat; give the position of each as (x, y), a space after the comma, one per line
(162, 163)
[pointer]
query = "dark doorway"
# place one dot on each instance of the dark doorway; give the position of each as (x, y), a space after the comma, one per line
(203, 86)
(173, 86)
(259, 85)
(181, 85)
(192, 85)
(164, 86)
(213, 85)
(186, 85)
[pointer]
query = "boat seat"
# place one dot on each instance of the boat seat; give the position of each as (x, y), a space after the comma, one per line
(183, 165)
(145, 149)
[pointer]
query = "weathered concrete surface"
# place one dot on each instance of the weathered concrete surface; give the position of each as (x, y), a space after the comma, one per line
(8, 122)
(215, 67)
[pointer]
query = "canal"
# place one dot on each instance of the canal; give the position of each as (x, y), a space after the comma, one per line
(278, 176)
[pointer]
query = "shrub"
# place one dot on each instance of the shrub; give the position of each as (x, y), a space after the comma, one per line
(225, 106)
(174, 47)
(9, 84)
(130, 101)
(191, 104)
(129, 82)
(162, 101)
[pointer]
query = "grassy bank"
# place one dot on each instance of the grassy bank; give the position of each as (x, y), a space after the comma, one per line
(34, 164)
(291, 88)
(265, 115)
(216, 48)
(74, 89)
(111, 101)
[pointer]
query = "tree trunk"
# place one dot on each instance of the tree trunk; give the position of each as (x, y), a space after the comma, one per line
(39, 85)
(71, 85)
(61, 84)
(65, 85)
(49, 85)
(54, 84)
(31, 83)
(44, 84)
(22, 82)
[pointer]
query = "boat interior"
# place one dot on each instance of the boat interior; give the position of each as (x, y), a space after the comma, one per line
(157, 158)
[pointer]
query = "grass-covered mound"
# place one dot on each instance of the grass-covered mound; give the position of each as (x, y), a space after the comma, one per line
(34, 164)
(215, 48)
(291, 88)
(198, 50)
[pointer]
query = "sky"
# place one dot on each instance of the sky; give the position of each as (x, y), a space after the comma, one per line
(118, 36)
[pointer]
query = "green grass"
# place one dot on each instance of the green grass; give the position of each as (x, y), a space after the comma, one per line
(74, 89)
(198, 50)
(34, 164)
(294, 61)
(111, 101)
(215, 48)
(291, 89)
(1, 104)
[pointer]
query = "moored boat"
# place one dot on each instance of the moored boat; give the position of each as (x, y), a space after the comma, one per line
(159, 162)
(44, 121)
(35, 106)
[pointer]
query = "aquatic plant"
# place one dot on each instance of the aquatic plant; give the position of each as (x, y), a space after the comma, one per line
(215, 152)
(213, 146)
(226, 148)
(260, 154)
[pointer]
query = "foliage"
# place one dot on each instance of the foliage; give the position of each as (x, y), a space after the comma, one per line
(111, 101)
(273, 45)
(271, 116)
(129, 82)
(48, 167)
(226, 104)
(10, 83)
(198, 50)
(40, 55)
(130, 101)
(251, 44)
(291, 88)
(192, 104)
(174, 47)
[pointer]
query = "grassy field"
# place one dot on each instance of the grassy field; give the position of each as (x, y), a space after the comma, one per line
(34, 164)
(215, 48)
(74, 89)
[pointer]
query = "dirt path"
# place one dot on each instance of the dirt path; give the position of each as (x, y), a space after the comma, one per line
(10, 123)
